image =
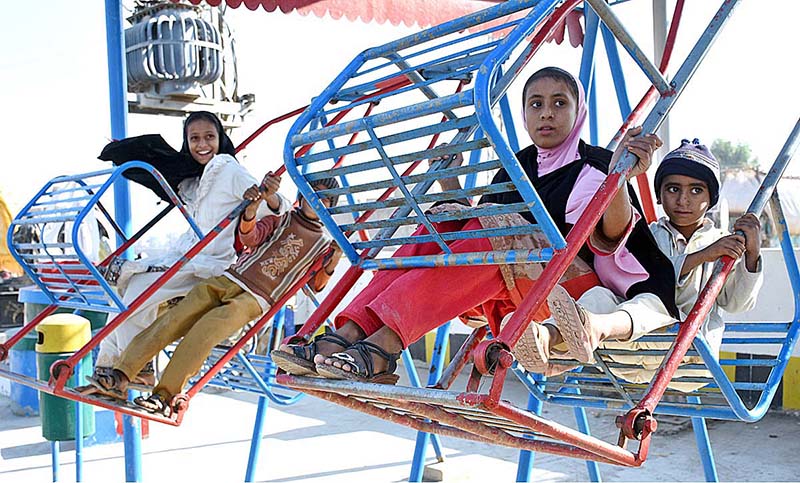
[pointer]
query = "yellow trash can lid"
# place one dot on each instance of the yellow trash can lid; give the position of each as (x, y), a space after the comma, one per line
(63, 333)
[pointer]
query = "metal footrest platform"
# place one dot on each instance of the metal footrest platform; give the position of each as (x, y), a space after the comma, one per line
(124, 407)
(462, 415)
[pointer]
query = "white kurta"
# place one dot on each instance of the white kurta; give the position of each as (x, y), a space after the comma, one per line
(208, 200)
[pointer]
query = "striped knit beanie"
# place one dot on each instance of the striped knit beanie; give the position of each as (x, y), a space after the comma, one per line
(694, 160)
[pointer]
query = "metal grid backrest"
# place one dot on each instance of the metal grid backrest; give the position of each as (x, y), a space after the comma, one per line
(702, 387)
(59, 263)
(421, 84)
(705, 385)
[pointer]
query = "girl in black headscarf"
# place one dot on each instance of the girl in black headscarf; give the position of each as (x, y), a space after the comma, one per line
(212, 185)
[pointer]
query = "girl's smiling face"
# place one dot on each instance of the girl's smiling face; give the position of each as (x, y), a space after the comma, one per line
(550, 112)
(203, 140)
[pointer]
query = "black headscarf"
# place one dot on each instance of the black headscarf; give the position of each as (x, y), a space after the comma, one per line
(152, 149)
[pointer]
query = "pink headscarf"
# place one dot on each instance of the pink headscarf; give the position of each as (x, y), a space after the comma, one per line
(550, 159)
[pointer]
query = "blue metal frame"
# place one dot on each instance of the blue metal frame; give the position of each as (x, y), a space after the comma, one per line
(451, 66)
(98, 298)
(435, 372)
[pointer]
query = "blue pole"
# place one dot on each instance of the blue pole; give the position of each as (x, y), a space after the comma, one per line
(616, 71)
(263, 404)
(583, 427)
(54, 458)
(594, 137)
(525, 465)
(78, 429)
(587, 68)
(703, 443)
(117, 91)
(255, 442)
(118, 105)
(437, 361)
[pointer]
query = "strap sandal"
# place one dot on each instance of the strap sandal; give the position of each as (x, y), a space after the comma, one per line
(146, 377)
(154, 403)
(299, 360)
(111, 383)
(362, 367)
(573, 323)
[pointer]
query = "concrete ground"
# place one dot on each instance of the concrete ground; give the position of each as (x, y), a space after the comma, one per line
(317, 441)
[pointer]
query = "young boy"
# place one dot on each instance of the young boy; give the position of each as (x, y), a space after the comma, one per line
(281, 249)
(687, 186)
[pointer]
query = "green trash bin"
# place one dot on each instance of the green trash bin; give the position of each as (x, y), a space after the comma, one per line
(60, 336)
(35, 301)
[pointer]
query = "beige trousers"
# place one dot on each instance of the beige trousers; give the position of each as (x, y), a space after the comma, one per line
(212, 311)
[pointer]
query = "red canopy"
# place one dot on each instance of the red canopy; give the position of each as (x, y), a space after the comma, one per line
(422, 12)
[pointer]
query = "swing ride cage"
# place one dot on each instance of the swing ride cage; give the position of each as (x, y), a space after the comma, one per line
(400, 80)
(446, 55)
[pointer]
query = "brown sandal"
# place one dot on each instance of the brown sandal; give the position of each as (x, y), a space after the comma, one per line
(155, 403)
(111, 383)
(363, 370)
(300, 361)
(571, 320)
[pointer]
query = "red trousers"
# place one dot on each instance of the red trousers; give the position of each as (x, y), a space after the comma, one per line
(412, 302)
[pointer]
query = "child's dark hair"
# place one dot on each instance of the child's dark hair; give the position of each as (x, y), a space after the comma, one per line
(552, 73)
(329, 184)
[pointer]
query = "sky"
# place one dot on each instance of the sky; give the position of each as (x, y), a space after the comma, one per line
(54, 92)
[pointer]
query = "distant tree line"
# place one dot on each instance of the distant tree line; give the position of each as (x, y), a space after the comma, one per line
(732, 156)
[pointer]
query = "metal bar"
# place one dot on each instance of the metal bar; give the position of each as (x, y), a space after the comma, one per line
(451, 27)
(458, 362)
(613, 23)
(413, 111)
(462, 235)
(610, 43)
(255, 441)
(703, 443)
(439, 127)
(443, 45)
(525, 462)
(267, 124)
(400, 185)
(78, 429)
(456, 259)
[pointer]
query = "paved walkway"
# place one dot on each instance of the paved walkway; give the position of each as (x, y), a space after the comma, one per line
(317, 441)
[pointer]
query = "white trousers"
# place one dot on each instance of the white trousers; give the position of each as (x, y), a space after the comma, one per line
(648, 315)
(115, 343)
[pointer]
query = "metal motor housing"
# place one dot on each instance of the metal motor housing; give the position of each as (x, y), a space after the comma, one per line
(172, 50)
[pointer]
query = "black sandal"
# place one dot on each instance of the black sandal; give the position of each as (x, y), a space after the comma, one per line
(300, 361)
(362, 371)
(111, 383)
(155, 403)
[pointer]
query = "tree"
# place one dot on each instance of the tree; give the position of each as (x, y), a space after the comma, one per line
(733, 157)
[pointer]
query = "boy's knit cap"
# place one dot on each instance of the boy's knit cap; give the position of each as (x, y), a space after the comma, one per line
(694, 160)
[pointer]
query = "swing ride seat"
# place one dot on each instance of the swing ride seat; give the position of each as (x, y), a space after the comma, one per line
(64, 273)
(432, 59)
